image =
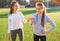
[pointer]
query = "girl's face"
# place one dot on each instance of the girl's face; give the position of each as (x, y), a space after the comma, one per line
(16, 7)
(39, 9)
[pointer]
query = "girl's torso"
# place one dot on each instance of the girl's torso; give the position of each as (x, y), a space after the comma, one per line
(16, 21)
(37, 24)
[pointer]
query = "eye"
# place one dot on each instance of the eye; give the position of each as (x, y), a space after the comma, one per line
(39, 8)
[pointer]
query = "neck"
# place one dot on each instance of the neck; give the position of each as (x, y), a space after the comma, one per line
(14, 12)
(39, 14)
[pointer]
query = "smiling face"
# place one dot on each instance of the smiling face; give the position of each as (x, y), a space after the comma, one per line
(15, 7)
(39, 8)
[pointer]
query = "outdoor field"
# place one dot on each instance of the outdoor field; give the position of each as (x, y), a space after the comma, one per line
(28, 29)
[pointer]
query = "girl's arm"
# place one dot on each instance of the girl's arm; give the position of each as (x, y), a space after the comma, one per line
(9, 21)
(31, 20)
(53, 25)
(23, 18)
(8, 36)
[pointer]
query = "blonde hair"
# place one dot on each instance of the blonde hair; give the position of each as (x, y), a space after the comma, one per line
(40, 4)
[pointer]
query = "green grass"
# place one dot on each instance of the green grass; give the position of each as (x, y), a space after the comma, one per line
(28, 29)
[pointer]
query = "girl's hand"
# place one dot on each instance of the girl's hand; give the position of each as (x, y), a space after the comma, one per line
(31, 20)
(8, 36)
(44, 32)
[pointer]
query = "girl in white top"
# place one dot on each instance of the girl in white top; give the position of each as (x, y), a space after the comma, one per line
(15, 22)
(39, 19)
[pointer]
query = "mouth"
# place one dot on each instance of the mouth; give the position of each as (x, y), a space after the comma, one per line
(16, 8)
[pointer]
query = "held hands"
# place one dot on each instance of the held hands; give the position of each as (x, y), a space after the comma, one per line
(31, 20)
(44, 32)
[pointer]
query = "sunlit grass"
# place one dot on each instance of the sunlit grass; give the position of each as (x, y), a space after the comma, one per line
(28, 29)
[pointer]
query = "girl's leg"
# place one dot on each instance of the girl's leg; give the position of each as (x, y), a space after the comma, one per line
(13, 35)
(36, 38)
(20, 34)
(43, 38)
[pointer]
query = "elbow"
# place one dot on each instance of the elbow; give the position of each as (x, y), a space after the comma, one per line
(54, 26)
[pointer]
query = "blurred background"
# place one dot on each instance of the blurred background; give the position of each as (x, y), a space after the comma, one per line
(28, 8)
(31, 3)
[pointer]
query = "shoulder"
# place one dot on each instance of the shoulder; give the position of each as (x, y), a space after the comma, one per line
(33, 15)
(9, 15)
(46, 16)
(20, 13)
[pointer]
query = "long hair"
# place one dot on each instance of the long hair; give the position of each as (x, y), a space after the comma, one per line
(44, 11)
(12, 4)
